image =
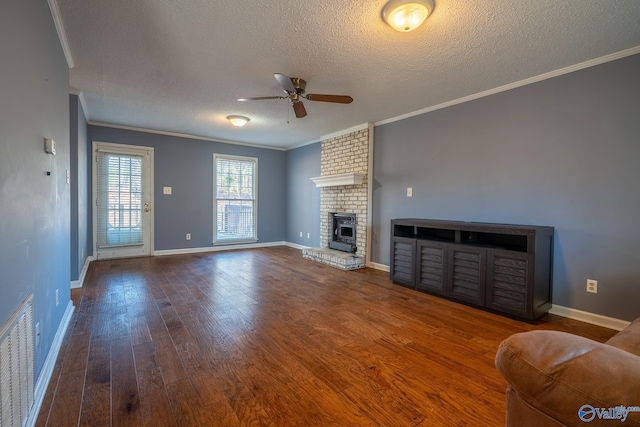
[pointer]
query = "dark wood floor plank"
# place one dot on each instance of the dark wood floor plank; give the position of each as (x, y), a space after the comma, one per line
(77, 353)
(125, 398)
(171, 318)
(280, 356)
(185, 403)
(96, 401)
(216, 409)
(345, 411)
(99, 367)
(168, 359)
(65, 409)
(140, 332)
(263, 337)
(382, 404)
(96, 405)
(154, 401)
(246, 406)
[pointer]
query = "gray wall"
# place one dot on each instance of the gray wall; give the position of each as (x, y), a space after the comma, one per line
(186, 165)
(563, 152)
(34, 207)
(303, 198)
(79, 186)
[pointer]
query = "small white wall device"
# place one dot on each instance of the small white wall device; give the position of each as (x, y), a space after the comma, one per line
(50, 146)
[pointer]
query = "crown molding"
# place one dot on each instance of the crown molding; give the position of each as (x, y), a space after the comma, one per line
(182, 135)
(525, 82)
(57, 20)
(345, 131)
(303, 144)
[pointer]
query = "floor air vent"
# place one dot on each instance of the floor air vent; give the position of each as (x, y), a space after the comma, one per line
(16, 367)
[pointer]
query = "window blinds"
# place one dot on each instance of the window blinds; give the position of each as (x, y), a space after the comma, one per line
(119, 200)
(235, 194)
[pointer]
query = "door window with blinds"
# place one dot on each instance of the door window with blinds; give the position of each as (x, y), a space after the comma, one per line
(235, 199)
(123, 192)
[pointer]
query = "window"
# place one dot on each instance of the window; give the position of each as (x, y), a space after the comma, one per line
(235, 199)
(119, 200)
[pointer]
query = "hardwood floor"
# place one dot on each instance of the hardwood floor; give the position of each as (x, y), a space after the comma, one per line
(263, 337)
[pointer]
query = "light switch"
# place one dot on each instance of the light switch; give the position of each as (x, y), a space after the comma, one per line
(166, 190)
(409, 192)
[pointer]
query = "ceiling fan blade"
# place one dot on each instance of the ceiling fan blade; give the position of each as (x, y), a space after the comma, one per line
(298, 108)
(341, 99)
(285, 82)
(259, 98)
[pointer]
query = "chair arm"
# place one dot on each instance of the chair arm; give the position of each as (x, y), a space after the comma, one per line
(557, 373)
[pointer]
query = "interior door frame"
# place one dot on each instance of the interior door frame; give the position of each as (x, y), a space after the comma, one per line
(122, 149)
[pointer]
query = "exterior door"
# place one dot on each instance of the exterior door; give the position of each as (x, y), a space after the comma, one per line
(123, 214)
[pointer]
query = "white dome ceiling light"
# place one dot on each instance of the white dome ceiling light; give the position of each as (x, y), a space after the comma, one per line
(407, 15)
(238, 121)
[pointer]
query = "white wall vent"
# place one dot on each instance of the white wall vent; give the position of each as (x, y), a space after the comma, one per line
(16, 367)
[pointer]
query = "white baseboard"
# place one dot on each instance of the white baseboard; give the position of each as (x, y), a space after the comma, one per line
(216, 248)
(78, 283)
(47, 369)
(585, 316)
(296, 246)
(378, 266)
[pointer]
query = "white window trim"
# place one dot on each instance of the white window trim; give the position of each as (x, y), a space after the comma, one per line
(217, 156)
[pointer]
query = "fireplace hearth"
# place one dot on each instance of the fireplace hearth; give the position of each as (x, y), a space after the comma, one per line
(343, 232)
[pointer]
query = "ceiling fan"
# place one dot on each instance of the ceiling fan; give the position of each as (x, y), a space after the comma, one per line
(294, 88)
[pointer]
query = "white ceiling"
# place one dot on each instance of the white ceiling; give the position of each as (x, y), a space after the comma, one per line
(178, 66)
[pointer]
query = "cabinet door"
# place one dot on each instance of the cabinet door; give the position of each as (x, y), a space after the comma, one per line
(431, 266)
(508, 279)
(403, 261)
(467, 270)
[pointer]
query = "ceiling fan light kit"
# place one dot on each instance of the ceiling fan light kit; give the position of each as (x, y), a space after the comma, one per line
(294, 88)
(238, 121)
(407, 15)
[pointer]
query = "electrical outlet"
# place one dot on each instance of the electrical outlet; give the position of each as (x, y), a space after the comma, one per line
(37, 334)
(409, 192)
(188, 236)
(57, 298)
(301, 234)
(166, 190)
(592, 286)
(308, 235)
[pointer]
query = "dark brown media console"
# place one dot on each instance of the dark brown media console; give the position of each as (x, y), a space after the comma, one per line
(501, 267)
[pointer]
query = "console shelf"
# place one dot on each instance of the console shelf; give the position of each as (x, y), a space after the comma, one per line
(504, 268)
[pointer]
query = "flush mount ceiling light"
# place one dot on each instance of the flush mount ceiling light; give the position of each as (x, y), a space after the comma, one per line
(407, 15)
(238, 121)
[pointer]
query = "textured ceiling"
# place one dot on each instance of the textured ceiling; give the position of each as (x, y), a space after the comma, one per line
(178, 66)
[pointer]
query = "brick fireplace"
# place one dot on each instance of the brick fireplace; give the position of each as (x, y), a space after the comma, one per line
(345, 156)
